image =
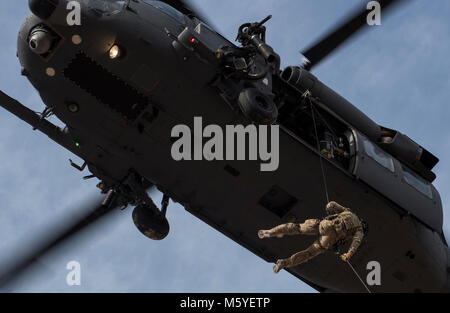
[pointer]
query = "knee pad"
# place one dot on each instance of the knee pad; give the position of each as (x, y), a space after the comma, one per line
(318, 246)
(291, 227)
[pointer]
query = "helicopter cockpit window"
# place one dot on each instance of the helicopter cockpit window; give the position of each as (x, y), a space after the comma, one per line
(106, 7)
(169, 10)
(381, 157)
(411, 179)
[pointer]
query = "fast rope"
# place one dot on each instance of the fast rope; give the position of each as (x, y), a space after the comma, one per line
(307, 95)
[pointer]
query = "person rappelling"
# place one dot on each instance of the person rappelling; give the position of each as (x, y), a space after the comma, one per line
(340, 225)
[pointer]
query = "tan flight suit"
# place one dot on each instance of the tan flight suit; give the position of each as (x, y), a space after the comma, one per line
(341, 225)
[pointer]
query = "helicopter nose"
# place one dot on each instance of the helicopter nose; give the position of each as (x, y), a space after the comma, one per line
(43, 8)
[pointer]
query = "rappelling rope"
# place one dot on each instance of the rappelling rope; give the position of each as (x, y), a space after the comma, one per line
(356, 273)
(307, 95)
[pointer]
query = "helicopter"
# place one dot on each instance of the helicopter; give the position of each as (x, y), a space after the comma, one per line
(119, 119)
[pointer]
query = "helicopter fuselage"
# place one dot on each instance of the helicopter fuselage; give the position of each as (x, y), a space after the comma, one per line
(120, 106)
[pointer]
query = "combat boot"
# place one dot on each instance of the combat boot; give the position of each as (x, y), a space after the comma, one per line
(279, 266)
(267, 234)
(263, 234)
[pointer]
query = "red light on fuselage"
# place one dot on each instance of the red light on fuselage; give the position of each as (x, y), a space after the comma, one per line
(192, 40)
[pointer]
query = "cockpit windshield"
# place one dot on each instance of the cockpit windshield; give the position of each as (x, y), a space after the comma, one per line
(106, 7)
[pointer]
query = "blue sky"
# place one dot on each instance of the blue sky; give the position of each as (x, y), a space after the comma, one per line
(397, 73)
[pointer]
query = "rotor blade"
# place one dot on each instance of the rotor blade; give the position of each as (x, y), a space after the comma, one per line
(13, 270)
(341, 33)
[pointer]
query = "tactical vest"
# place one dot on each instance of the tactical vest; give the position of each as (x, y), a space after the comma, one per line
(347, 221)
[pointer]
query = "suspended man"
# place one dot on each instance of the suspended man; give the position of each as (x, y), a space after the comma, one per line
(340, 225)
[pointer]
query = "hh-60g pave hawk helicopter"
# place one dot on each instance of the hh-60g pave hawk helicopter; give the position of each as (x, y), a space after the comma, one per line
(134, 69)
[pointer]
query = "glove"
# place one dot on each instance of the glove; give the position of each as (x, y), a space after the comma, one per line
(345, 257)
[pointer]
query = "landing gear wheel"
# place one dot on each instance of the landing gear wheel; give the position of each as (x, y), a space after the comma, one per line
(257, 106)
(151, 223)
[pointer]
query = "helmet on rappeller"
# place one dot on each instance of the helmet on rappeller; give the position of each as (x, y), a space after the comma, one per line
(332, 208)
